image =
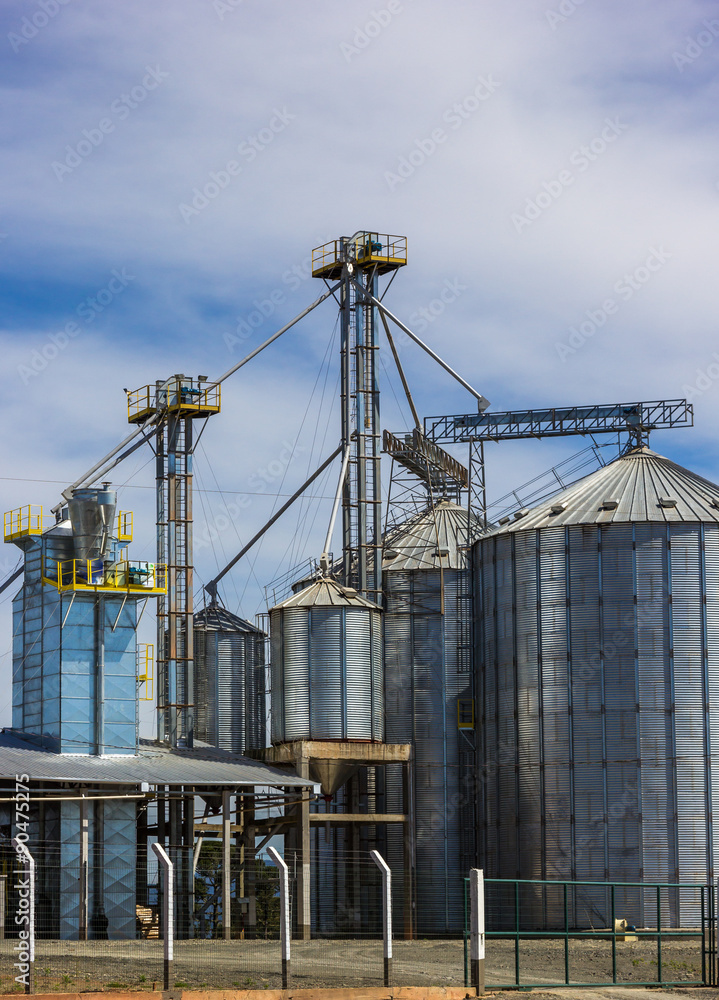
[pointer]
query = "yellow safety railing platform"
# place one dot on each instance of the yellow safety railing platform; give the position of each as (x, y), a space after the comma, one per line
(190, 397)
(124, 526)
(128, 577)
(369, 250)
(146, 670)
(23, 521)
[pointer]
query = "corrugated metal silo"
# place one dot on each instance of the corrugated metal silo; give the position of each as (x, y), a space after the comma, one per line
(326, 666)
(427, 672)
(598, 667)
(229, 681)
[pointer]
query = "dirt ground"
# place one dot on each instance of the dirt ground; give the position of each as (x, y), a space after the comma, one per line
(65, 966)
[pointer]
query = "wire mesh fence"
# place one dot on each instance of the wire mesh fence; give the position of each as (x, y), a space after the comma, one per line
(100, 926)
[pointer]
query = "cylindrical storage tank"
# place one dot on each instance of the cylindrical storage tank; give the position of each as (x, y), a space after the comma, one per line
(428, 684)
(598, 667)
(326, 666)
(229, 681)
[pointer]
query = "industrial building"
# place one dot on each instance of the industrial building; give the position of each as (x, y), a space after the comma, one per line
(533, 696)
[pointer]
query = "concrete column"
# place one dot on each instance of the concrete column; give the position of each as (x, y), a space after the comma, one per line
(84, 868)
(304, 915)
(407, 852)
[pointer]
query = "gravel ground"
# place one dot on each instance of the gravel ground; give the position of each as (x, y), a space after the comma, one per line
(64, 966)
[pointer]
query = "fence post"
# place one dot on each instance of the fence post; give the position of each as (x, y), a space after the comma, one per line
(476, 895)
(168, 915)
(386, 913)
(26, 892)
(284, 914)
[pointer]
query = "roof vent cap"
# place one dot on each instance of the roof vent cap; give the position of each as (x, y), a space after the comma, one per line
(391, 553)
(667, 501)
(557, 508)
(610, 504)
(520, 513)
(441, 552)
(714, 502)
(504, 520)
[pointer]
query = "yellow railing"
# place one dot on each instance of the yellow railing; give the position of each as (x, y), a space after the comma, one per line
(124, 526)
(369, 248)
(175, 396)
(146, 670)
(130, 577)
(23, 521)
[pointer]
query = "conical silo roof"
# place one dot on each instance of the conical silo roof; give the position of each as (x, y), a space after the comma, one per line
(325, 592)
(437, 537)
(216, 619)
(638, 486)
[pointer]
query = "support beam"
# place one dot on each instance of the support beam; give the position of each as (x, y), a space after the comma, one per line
(211, 587)
(482, 401)
(285, 328)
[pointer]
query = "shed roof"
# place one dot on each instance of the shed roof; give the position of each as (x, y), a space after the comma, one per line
(154, 764)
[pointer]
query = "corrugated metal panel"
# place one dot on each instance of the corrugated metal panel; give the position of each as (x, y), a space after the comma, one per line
(229, 681)
(326, 671)
(424, 650)
(599, 662)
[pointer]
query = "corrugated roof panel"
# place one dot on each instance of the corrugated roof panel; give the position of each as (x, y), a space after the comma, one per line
(154, 764)
(325, 593)
(637, 482)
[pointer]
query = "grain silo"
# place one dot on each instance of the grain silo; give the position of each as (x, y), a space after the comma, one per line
(326, 666)
(429, 703)
(598, 672)
(229, 681)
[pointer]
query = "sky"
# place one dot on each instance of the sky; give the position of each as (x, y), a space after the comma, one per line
(168, 168)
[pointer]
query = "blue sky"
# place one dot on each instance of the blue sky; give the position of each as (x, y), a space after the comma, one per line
(543, 159)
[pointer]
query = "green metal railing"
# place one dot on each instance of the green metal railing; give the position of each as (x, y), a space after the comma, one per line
(704, 935)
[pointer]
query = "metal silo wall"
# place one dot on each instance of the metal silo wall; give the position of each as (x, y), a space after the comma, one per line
(598, 660)
(426, 670)
(326, 674)
(229, 689)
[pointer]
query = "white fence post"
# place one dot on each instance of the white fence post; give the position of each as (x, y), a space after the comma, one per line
(386, 913)
(284, 914)
(26, 892)
(168, 911)
(476, 947)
